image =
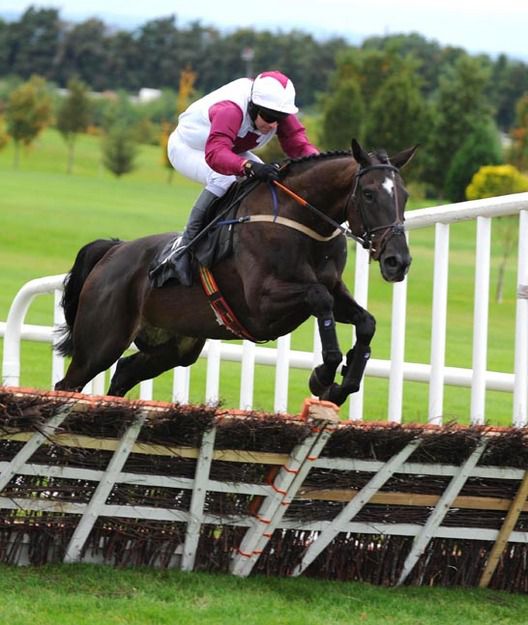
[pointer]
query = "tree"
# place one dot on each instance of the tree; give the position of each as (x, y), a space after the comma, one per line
(186, 88)
(85, 54)
(509, 81)
(73, 116)
(519, 134)
(460, 105)
(34, 42)
(369, 68)
(481, 147)
(123, 61)
(4, 48)
(28, 112)
(159, 51)
(500, 180)
(397, 116)
(343, 113)
(119, 151)
(185, 91)
(4, 137)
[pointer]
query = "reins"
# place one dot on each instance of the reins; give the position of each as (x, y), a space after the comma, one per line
(367, 238)
(300, 200)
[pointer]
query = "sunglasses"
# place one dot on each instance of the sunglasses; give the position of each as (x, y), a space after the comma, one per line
(270, 116)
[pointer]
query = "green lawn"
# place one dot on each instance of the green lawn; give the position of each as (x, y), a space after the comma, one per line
(47, 215)
(91, 595)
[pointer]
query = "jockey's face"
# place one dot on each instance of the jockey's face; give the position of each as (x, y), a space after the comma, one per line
(263, 126)
(268, 119)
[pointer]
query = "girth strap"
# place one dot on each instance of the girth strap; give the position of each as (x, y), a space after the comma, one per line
(290, 223)
(224, 315)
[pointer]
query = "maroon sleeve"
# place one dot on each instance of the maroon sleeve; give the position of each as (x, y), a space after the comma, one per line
(226, 119)
(293, 139)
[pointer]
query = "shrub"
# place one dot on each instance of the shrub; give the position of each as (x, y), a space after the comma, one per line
(490, 181)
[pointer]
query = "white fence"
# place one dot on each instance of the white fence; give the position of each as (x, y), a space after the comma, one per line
(436, 373)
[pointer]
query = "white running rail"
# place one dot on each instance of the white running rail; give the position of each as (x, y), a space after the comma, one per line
(396, 370)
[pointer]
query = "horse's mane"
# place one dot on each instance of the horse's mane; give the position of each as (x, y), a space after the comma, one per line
(291, 163)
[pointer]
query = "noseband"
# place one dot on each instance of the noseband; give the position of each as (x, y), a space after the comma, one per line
(375, 239)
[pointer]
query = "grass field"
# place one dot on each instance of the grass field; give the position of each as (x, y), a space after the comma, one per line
(91, 595)
(48, 215)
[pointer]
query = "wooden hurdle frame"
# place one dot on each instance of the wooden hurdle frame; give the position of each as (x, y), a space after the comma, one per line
(286, 485)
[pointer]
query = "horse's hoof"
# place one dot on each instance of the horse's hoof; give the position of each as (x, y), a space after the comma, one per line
(317, 387)
(335, 394)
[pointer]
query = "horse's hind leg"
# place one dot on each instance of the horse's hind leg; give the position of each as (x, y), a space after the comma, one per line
(177, 352)
(103, 330)
(83, 369)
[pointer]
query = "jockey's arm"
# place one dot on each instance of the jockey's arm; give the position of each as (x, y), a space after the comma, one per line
(292, 137)
(226, 119)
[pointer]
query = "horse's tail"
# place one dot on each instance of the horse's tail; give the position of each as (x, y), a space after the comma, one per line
(87, 257)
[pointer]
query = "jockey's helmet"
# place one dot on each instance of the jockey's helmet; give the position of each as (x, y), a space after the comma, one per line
(273, 91)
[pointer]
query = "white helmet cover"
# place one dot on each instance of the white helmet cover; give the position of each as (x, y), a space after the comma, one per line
(275, 91)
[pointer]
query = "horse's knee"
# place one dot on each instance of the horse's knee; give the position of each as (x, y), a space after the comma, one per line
(366, 328)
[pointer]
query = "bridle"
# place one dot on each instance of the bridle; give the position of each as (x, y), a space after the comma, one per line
(370, 238)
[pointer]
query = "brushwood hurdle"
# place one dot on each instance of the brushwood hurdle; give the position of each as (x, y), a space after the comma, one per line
(88, 478)
(435, 373)
(106, 480)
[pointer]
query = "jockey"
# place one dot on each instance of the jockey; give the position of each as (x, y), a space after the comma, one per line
(211, 144)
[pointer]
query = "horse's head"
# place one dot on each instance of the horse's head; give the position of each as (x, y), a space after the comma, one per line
(376, 207)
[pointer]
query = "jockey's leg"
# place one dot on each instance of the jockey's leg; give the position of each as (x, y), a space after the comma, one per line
(175, 260)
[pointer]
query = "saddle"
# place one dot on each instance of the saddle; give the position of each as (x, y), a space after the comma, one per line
(214, 242)
(217, 244)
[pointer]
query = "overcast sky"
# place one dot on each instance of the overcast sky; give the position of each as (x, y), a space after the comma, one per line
(490, 26)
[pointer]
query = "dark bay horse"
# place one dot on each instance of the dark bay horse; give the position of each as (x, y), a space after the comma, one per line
(275, 279)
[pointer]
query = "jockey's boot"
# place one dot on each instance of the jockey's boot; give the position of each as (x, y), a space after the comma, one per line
(174, 261)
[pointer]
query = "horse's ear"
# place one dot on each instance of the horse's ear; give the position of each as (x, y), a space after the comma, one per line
(403, 157)
(359, 154)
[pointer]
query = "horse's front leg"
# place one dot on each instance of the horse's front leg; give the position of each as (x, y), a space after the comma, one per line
(347, 310)
(321, 305)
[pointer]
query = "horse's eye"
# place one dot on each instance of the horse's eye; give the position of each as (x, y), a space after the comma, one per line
(368, 195)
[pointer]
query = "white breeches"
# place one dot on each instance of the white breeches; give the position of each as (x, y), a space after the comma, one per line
(191, 163)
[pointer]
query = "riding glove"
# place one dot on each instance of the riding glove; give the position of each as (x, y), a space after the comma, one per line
(261, 171)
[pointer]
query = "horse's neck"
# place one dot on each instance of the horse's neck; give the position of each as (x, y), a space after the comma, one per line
(326, 185)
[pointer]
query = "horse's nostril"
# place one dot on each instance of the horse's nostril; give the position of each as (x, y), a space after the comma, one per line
(392, 262)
